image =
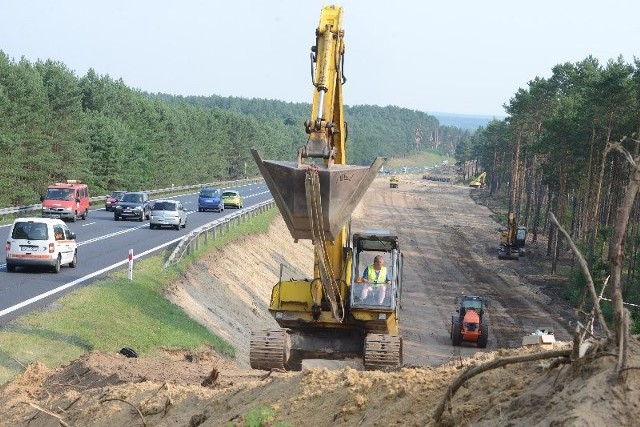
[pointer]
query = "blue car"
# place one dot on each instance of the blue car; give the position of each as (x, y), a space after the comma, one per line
(210, 199)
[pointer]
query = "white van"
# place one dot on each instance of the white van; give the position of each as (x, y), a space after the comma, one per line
(41, 242)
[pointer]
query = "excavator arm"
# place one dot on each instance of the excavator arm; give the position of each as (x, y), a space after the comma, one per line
(326, 127)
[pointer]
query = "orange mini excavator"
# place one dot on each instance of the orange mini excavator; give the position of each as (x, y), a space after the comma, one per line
(469, 325)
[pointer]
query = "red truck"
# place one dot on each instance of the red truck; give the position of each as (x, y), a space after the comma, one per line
(66, 200)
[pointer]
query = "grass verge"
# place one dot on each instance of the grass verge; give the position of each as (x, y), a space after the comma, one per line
(114, 313)
(424, 158)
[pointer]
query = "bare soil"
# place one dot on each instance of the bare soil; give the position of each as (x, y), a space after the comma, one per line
(450, 248)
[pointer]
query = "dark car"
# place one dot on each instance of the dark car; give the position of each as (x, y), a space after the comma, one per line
(210, 199)
(112, 200)
(133, 205)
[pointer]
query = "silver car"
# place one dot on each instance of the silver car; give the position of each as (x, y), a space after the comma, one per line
(169, 213)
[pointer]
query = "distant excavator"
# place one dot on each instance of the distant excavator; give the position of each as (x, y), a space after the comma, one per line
(479, 182)
(513, 240)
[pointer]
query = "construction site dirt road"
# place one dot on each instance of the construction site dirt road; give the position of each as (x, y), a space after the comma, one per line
(450, 245)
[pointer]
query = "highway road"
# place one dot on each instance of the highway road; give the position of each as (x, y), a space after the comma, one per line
(103, 246)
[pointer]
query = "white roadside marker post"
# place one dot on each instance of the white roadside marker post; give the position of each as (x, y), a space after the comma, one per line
(130, 264)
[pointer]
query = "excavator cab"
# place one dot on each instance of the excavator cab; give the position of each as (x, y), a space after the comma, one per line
(366, 246)
(521, 239)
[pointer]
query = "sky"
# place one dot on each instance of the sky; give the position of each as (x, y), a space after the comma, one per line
(461, 57)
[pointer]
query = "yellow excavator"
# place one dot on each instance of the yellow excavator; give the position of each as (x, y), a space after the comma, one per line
(479, 182)
(329, 316)
(512, 240)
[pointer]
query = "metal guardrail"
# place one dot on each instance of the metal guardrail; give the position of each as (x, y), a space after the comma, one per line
(213, 230)
(19, 210)
(24, 210)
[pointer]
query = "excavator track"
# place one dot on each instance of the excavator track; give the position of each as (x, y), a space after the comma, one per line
(382, 351)
(269, 349)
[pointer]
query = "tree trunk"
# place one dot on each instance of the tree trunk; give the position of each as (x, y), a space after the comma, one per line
(595, 222)
(539, 198)
(616, 250)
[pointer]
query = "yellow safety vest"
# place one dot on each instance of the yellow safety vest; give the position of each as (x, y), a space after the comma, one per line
(377, 278)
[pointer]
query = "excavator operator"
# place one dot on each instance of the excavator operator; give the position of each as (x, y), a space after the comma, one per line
(376, 278)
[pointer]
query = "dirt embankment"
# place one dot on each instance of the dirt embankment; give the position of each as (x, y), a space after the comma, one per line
(450, 248)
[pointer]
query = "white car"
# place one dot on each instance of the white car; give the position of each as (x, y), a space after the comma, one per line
(41, 242)
(168, 213)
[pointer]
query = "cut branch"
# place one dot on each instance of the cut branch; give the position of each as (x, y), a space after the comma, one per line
(128, 403)
(496, 363)
(616, 249)
(587, 275)
(58, 417)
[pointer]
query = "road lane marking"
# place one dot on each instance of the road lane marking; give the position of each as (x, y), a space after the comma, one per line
(81, 280)
(117, 233)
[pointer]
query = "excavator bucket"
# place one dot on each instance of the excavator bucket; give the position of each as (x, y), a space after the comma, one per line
(341, 188)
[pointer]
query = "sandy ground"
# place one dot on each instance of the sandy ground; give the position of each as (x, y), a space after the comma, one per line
(450, 247)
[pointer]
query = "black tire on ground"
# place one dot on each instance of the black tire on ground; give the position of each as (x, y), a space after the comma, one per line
(177, 227)
(128, 352)
(456, 339)
(185, 224)
(74, 261)
(56, 267)
(116, 218)
(11, 268)
(453, 321)
(73, 217)
(85, 214)
(483, 340)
